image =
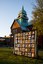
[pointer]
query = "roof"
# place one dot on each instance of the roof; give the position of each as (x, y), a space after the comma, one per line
(22, 20)
(23, 24)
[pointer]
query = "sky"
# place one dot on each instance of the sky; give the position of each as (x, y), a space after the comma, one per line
(9, 10)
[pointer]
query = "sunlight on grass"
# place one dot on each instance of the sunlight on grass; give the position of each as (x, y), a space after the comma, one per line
(7, 57)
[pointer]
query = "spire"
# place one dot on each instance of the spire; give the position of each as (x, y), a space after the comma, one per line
(23, 11)
(22, 8)
(22, 14)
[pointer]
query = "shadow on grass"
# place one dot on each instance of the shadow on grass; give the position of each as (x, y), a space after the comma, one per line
(7, 57)
(15, 59)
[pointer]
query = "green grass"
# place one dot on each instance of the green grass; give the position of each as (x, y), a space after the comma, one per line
(7, 57)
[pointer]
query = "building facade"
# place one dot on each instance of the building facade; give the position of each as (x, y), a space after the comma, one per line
(23, 35)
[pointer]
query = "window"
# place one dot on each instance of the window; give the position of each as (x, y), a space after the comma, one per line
(22, 53)
(33, 45)
(32, 50)
(29, 54)
(15, 42)
(22, 50)
(33, 32)
(26, 33)
(25, 54)
(18, 37)
(28, 41)
(25, 41)
(32, 54)
(18, 45)
(15, 45)
(17, 49)
(18, 34)
(15, 34)
(26, 50)
(23, 34)
(25, 44)
(29, 37)
(23, 37)
(29, 45)
(29, 33)
(33, 36)
(32, 41)
(15, 37)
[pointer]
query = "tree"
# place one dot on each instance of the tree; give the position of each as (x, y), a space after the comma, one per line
(38, 17)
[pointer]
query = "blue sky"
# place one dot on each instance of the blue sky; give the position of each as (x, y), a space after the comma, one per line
(9, 10)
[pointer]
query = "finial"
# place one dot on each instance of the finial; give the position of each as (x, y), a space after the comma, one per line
(22, 7)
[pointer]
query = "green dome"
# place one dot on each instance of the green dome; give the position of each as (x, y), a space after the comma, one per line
(22, 14)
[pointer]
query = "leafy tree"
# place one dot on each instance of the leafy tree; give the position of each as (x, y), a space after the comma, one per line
(38, 17)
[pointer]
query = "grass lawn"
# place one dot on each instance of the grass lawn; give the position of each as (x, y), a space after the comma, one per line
(7, 57)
